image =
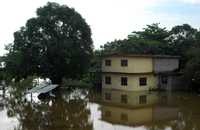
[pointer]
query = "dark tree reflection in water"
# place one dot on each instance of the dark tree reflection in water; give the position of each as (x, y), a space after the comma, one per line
(65, 112)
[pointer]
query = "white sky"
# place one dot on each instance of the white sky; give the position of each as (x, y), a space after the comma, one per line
(108, 19)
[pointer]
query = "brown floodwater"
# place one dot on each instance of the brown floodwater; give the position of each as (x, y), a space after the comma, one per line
(108, 110)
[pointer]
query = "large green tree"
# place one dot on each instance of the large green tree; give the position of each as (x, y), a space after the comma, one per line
(182, 37)
(55, 44)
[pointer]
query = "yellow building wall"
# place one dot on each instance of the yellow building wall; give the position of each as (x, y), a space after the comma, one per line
(133, 116)
(135, 65)
(133, 82)
(133, 100)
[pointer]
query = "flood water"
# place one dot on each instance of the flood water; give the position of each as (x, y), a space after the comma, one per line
(108, 110)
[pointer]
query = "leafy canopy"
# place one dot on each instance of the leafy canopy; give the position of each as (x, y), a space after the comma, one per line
(152, 40)
(55, 44)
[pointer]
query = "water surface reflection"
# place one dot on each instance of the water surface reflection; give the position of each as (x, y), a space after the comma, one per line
(109, 110)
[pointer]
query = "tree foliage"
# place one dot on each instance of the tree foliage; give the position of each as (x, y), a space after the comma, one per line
(55, 44)
(192, 68)
(152, 32)
(182, 37)
(152, 40)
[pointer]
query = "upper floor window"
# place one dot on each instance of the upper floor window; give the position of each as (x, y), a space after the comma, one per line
(107, 80)
(143, 81)
(124, 81)
(124, 62)
(107, 62)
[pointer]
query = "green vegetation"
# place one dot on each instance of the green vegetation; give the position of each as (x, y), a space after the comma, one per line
(55, 44)
(156, 40)
(192, 68)
(74, 84)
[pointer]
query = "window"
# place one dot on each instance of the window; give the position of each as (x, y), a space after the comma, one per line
(143, 99)
(164, 79)
(107, 80)
(107, 96)
(124, 117)
(124, 99)
(124, 62)
(124, 81)
(108, 114)
(143, 81)
(107, 62)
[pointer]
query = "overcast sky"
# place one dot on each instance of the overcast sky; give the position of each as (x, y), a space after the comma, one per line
(108, 19)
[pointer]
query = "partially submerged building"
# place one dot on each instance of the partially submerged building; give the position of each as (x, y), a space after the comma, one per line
(139, 72)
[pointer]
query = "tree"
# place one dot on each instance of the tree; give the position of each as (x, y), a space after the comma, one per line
(182, 37)
(152, 32)
(56, 44)
(151, 40)
(192, 68)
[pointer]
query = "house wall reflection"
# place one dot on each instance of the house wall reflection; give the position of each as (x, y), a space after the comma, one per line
(134, 108)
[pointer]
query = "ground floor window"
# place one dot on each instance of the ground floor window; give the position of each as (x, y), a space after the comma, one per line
(124, 117)
(108, 96)
(107, 80)
(164, 79)
(143, 81)
(124, 98)
(143, 99)
(108, 114)
(124, 81)
(107, 62)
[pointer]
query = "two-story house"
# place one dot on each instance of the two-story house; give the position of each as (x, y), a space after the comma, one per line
(137, 72)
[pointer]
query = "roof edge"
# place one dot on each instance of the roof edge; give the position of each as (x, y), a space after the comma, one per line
(141, 55)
